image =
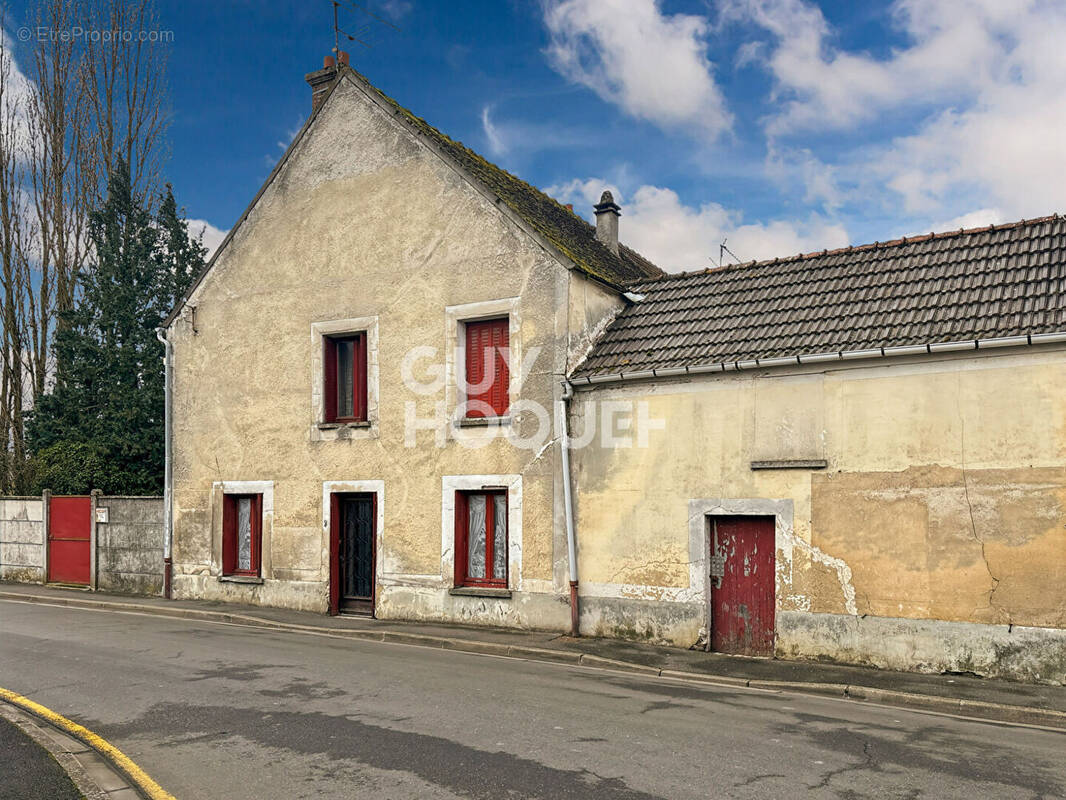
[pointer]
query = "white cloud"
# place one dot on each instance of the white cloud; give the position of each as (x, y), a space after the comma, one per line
(977, 90)
(496, 143)
(653, 65)
(980, 218)
(212, 236)
(955, 47)
(17, 93)
(396, 9)
(680, 237)
(509, 136)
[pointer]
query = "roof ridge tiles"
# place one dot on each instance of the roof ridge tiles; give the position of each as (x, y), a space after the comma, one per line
(862, 248)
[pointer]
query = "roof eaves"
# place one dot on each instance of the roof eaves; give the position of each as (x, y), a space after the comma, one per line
(804, 359)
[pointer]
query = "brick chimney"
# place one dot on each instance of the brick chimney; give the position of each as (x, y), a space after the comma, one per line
(607, 214)
(322, 79)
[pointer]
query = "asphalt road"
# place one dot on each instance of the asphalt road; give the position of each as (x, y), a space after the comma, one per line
(28, 771)
(214, 710)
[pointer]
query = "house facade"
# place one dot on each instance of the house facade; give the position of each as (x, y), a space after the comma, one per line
(376, 380)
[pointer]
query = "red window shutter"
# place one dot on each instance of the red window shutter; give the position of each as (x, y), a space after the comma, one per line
(359, 374)
(499, 397)
(485, 343)
(329, 387)
(229, 534)
(475, 368)
(461, 520)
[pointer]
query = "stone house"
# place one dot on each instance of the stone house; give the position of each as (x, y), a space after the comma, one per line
(410, 384)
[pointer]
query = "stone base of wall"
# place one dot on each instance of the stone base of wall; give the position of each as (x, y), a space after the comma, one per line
(130, 583)
(21, 574)
(526, 610)
(298, 595)
(653, 621)
(993, 651)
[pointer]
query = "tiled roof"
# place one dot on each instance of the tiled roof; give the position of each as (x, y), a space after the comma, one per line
(994, 282)
(570, 234)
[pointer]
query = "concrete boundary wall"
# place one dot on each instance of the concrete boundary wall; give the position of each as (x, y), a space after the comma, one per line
(129, 556)
(127, 542)
(22, 538)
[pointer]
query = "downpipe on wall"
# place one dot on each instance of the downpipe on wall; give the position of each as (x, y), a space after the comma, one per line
(168, 470)
(568, 504)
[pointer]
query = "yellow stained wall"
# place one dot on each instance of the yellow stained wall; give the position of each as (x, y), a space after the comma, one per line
(944, 496)
(362, 221)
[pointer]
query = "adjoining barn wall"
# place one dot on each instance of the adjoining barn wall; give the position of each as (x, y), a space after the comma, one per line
(934, 538)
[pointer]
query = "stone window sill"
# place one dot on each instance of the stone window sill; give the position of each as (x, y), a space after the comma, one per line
(252, 579)
(332, 426)
(479, 591)
(482, 422)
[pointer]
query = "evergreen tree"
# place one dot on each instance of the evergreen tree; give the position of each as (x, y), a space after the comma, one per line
(102, 425)
(179, 257)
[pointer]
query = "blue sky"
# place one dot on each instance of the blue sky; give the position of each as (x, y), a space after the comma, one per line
(778, 125)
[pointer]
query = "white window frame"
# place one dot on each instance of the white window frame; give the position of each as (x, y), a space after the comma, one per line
(450, 484)
(376, 488)
(456, 318)
(218, 491)
(321, 430)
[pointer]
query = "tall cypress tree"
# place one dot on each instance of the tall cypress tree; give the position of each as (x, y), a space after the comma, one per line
(179, 257)
(102, 425)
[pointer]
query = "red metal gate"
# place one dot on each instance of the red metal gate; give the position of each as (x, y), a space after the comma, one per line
(742, 587)
(69, 531)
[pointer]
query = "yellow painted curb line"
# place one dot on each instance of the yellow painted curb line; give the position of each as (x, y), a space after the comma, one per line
(138, 776)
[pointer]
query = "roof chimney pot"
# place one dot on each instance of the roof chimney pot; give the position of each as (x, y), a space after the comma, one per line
(322, 79)
(342, 58)
(607, 214)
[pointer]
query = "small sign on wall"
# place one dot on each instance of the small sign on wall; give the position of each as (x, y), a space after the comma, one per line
(101, 514)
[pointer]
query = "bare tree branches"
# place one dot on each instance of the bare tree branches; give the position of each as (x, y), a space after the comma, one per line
(125, 83)
(83, 103)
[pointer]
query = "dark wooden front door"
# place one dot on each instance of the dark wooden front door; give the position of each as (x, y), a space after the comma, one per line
(743, 597)
(352, 567)
(69, 539)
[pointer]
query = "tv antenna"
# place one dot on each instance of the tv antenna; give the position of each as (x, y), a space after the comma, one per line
(722, 250)
(359, 34)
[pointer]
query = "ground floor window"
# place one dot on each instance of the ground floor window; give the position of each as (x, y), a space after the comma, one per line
(242, 533)
(481, 538)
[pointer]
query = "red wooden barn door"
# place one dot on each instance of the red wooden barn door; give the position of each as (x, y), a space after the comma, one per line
(69, 526)
(742, 598)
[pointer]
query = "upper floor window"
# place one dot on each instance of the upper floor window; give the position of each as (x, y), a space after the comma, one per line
(242, 532)
(487, 374)
(345, 378)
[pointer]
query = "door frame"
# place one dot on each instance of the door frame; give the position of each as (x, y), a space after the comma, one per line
(331, 535)
(700, 514)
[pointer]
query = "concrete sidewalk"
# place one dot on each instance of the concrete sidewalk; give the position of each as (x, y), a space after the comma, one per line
(1003, 701)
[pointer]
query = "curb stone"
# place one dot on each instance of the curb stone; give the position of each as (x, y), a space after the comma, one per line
(90, 772)
(995, 712)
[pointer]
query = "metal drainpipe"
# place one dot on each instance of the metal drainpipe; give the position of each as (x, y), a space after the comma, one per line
(168, 470)
(568, 502)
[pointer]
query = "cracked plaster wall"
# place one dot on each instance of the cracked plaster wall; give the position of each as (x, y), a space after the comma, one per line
(944, 496)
